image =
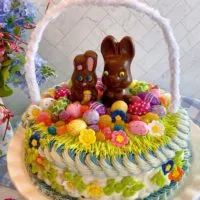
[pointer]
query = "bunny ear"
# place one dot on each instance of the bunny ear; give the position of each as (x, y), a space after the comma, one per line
(78, 62)
(91, 60)
(126, 47)
(109, 46)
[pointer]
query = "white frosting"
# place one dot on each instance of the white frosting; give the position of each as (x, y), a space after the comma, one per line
(110, 171)
(169, 153)
(70, 164)
(131, 167)
(57, 159)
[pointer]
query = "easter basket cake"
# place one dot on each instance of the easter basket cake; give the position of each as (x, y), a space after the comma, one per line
(110, 137)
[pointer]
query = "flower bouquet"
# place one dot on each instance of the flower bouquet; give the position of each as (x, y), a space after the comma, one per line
(16, 17)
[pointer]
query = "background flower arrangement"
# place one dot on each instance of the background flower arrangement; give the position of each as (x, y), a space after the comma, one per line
(15, 18)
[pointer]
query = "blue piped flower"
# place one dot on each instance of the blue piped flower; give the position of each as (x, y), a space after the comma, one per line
(167, 167)
(35, 140)
(118, 114)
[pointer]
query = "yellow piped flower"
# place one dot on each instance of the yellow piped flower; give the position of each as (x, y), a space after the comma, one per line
(87, 137)
(94, 190)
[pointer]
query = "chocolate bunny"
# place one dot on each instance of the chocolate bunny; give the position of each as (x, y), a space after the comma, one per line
(84, 78)
(117, 73)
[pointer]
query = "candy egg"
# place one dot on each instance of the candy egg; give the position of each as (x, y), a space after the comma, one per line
(135, 99)
(61, 130)
(52, 130)
(64, 115)
(99, 107)
(59, 106)
(100, 136)
(149, 117)
(75, 126)
(149, 97)
(91, 117)
(74, 110)
(43, 117)
(139, 108)
(159, 110)
(59, 123)
(94, 127)
(119, 105)
(46, 103)
(105, 121)
(138, 128)
(155, 92)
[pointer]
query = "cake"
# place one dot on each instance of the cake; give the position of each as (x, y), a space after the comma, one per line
(107, 138)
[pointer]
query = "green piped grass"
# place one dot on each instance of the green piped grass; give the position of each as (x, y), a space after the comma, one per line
(136, 145)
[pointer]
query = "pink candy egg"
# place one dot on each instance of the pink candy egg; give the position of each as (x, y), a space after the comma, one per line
(91, 117)
(155, 92)
(74, 110)
(138, 128)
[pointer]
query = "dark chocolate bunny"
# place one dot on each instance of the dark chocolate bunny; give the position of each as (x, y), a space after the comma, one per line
(117, 73)
(84, 78)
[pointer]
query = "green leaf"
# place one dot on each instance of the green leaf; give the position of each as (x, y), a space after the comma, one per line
(138, 186)
(128, 192)
(178, 159)
(6, 63)
(17, 30)
(47, 71)
(5, 91)
(4, 73)
(159, 179)
(119, 187)
(108, 190)
(127, 180)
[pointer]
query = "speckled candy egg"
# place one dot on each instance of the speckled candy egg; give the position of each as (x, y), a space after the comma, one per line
(74, 110)
(149, 97)
(99, 107)
(159, 110)
(91, 117)
(46, 103)
(139, 108)
(119, 105)
(138, 128)
(75, 126)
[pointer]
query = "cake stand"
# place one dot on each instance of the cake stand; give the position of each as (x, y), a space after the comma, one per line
(24, 184)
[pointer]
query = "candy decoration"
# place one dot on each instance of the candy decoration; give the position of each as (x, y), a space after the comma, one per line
(138, 87)
(59, 123)
(149, 117)
(100, 85)
(91, 117)
(159, 110)
(118, 127)
(155, 92)
(84, 108)
(43, 117)
(100, 137)
(59, 105)
(94, 127)
(135, 99)
(149, 97)
(105, 121)
(75, 126)
(52, 130)
(138, 128)
(119, 105)
(64, 115)
(139, 108)
(74, 110)
(61, 130)
(87, 96)
(99, 107)
(163, 101)
(136, 118)
(63, 91)
(46, 103)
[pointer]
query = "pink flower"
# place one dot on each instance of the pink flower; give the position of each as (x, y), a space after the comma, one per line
(107, 133)
(119, 138)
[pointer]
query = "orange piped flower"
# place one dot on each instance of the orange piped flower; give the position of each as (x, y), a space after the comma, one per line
(176, 175)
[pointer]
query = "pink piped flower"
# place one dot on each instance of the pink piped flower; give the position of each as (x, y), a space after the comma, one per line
(119, 138)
